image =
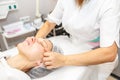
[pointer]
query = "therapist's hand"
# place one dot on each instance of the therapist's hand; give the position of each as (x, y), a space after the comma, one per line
(47, 44)
(53, 60)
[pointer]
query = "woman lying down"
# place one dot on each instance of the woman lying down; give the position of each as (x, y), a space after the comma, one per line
(27, 64)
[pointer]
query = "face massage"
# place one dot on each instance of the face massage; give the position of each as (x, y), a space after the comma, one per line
(90, 52)
(31, 53)
(30, 57)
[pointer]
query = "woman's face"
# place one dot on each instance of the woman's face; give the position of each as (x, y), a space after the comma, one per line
(32, 48)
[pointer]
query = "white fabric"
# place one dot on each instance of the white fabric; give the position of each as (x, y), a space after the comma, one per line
(69, 72)
(9, 73)
(64, 73)
(96, 18)
(109, 23)
(9, 53)
(96, 72)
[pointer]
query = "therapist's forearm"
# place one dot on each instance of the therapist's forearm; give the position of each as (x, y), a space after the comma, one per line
(97, 56)
(46, 28)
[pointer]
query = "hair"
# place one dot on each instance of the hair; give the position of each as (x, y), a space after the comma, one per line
(79, 2)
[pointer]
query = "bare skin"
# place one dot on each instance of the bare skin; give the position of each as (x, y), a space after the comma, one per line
(30, 53)
(97, 56)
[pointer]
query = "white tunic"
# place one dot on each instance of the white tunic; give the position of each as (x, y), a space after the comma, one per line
(95, 18)
(97, 21)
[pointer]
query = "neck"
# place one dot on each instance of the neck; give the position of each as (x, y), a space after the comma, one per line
(21, 62)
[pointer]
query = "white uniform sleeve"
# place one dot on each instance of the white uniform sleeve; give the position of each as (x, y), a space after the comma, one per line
(109, 23)
(56, 15)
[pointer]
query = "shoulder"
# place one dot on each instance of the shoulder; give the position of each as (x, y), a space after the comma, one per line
(109, 5)
(110, 2)
(106, 2)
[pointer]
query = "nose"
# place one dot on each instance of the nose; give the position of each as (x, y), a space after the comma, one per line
(33, 39)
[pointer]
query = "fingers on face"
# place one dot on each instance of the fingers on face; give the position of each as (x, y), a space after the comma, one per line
(49, 67)
(45, 43)
(47, 54)
(47, 60)
(42, 42)
(47, 57)
(48, 64)
(50, 45)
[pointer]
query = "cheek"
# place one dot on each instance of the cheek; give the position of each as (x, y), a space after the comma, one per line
(37, 52)
(32, 52)
(19, 47)
(38, 48)
(23, 49)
